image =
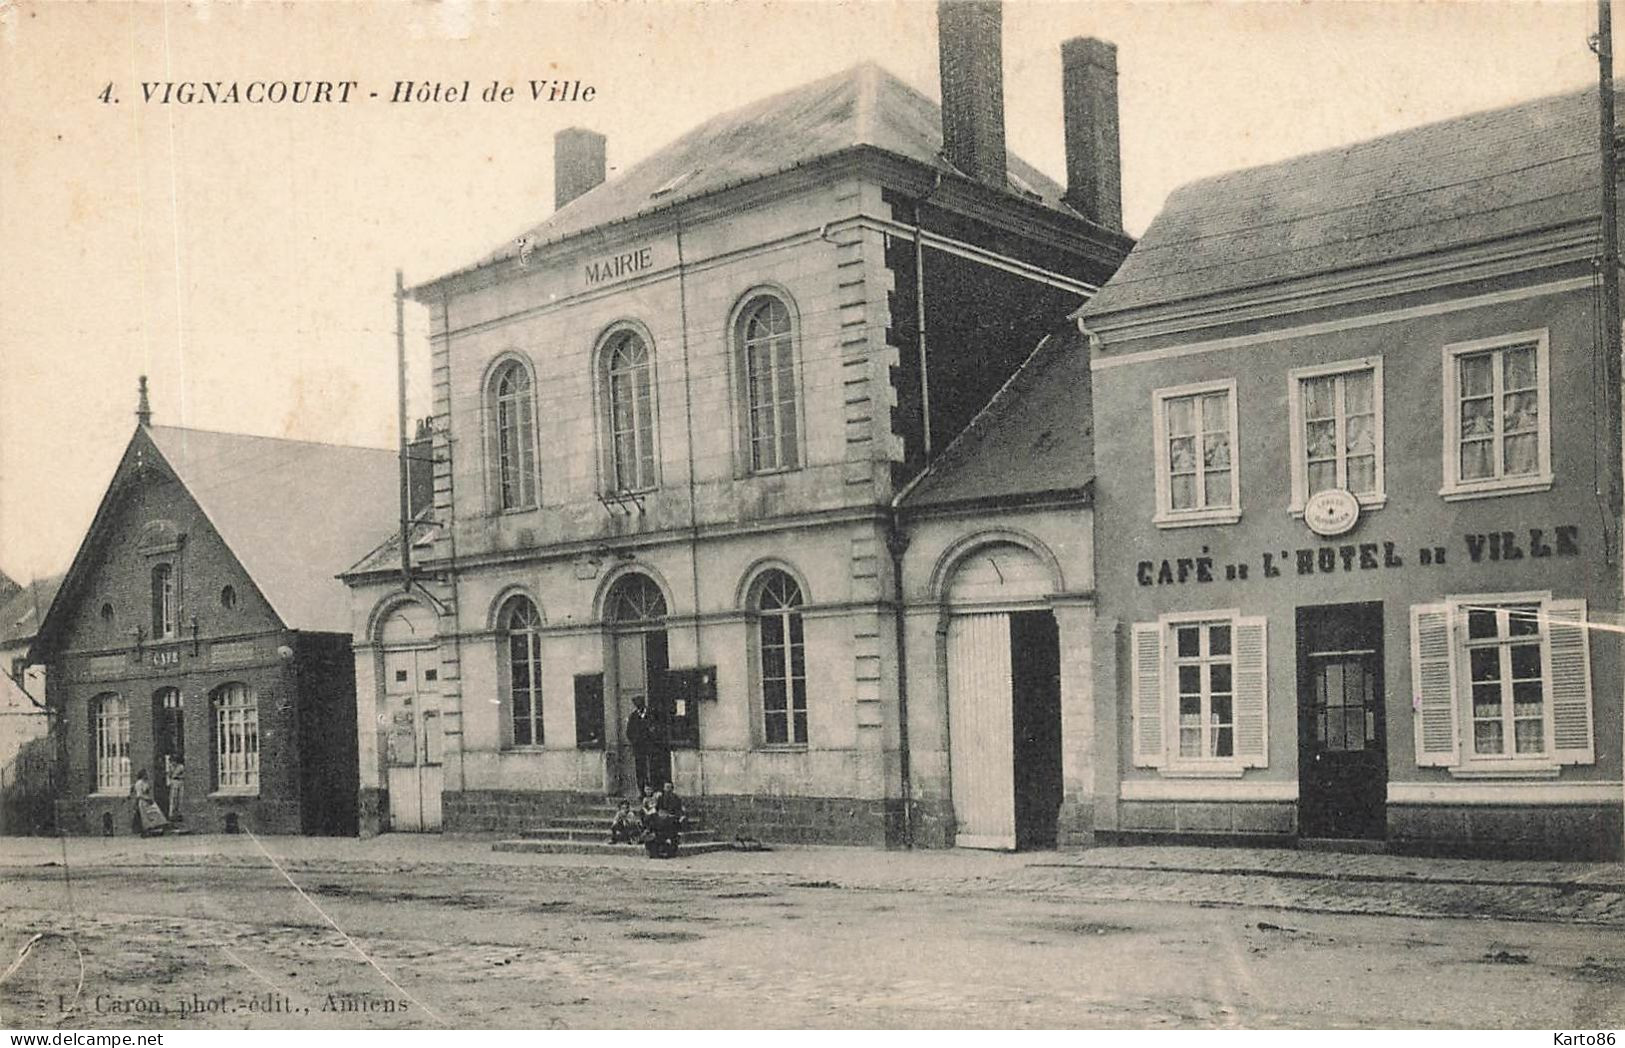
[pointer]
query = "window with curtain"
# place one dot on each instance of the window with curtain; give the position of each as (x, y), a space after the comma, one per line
(1497, 424)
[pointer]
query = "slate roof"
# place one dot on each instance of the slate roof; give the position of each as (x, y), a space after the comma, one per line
(22, 613)
(860, 106)
(1035, 437)
(294, 513)
(1474, 179)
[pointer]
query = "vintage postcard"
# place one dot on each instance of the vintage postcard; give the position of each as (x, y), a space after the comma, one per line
(809, 515)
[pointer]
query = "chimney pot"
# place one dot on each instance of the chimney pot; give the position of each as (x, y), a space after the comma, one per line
(578, 163)
(143, 410)
(1094, 167)
(970, 48)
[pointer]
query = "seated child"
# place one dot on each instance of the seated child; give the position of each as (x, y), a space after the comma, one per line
(627, 826)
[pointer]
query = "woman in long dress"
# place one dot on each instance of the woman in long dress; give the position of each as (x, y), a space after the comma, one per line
(152, 816)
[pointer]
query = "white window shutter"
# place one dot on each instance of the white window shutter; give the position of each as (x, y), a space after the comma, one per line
(1252, 693)
(1146, 671)
(1569, 652)
(1433, 676)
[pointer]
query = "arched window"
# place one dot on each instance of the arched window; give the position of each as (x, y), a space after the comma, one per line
(634, 598)
(163, 601)
(766, 349)
(512, 410)
(110, 739)
(629, 383)
(236, 738)
(521, 624)
(782, 665)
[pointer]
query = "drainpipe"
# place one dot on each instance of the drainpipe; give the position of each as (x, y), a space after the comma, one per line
(897, 545)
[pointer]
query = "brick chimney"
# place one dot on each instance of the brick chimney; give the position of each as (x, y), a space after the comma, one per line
(970, 46)
(1094, 167)
(578, 163)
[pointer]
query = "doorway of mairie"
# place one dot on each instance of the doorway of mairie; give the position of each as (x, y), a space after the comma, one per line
(1002, 654)
(409, 664)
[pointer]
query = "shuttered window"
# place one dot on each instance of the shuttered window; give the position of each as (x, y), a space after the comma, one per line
(1502, 684)
(1200, 693)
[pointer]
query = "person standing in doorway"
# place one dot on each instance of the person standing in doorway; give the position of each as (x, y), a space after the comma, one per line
(175, 774)
(643, 736)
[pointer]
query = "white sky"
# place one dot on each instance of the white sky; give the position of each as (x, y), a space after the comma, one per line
(244, 256)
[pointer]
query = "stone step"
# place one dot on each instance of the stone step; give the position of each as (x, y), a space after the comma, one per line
(602, 847)
(595, 822)
(598, 833)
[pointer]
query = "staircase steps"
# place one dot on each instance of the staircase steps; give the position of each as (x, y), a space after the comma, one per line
(586, 832)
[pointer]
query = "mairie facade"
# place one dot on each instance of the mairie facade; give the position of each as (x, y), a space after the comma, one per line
(672, 425)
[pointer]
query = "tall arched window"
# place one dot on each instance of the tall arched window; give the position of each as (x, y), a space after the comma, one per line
(163, 601)
(783, 664)
(629, 383)
(521, 625)
(110, 739)
(766, 348)
(236, 738)
(634, 598)
(512, 410)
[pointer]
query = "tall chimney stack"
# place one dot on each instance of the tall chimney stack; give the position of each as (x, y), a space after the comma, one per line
(970, 47)
(1094, 166)
(578, 163)
(143, 410)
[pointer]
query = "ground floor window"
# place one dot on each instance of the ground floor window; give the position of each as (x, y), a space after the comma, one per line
(1200, 692)
(110, 727)
(237, 738)
(1503, 683)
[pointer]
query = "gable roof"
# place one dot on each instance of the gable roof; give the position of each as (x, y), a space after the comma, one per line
(1473, 179)
(1035, 437)
(22, 613)
(863, 106)
(293, 512)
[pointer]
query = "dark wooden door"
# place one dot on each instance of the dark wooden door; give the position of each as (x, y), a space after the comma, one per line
(1342, 751)
(1035, 674)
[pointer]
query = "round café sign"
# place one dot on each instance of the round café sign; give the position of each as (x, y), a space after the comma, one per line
(1331, 512)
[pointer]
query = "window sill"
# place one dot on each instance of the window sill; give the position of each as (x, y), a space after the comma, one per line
(783, 747)
(1196, 520)
(1491, 769)
(251, 791)
(1368, 503)
(515, 511)
(774, 472)
(533, 747)
(123, 794)
(1463, 492)
(1225, 771)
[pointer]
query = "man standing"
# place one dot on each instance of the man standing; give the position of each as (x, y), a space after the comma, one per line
(643, 735)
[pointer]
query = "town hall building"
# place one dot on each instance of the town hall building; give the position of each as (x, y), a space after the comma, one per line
(702, 440)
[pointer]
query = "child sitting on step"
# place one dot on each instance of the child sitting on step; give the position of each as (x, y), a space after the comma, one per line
(627, 826)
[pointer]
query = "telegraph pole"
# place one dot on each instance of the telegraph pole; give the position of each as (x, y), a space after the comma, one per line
(400, 388)
(1610, 263)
